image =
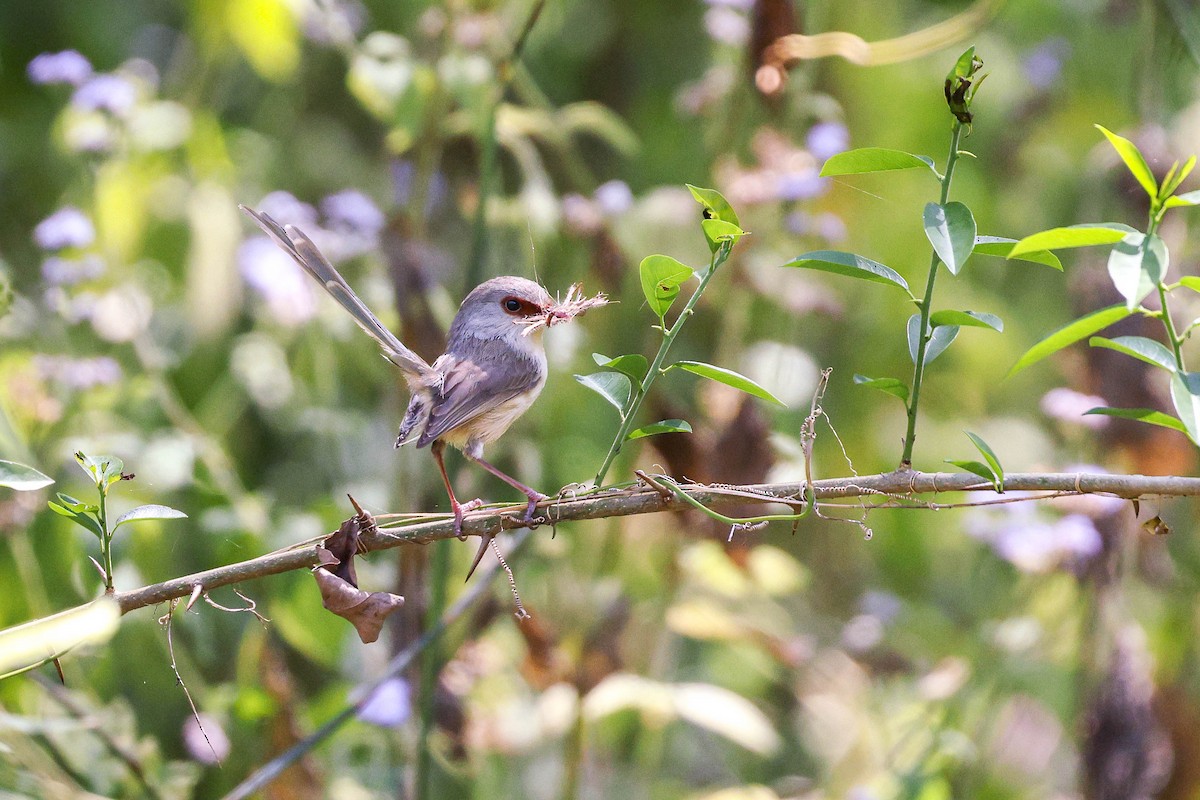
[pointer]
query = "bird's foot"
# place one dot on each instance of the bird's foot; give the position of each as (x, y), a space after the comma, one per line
(460, 509)
(530, 517)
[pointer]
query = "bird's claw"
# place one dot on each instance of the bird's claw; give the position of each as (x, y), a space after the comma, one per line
(460, 509)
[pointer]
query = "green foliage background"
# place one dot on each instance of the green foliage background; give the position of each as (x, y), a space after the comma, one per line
(953, 654)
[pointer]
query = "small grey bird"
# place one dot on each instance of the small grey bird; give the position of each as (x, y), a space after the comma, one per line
(492, 371)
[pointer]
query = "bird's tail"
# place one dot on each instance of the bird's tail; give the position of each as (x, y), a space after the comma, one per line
(301, 248)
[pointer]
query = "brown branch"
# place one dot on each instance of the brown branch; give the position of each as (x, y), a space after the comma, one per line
(641, 499)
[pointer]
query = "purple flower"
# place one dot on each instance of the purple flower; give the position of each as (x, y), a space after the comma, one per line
(78, 373)
(388, 706)
(353, 211)
(284, 207)
(801, 185)
(67, 66)
(67, 227)
(205, 740)
(827, 139)
(744, 5)
(58, 271)
(727, 26)
(278, 279)
(1033, 544)
(1069, 405)
(614, 197)
(110, 93)
(1043, 64)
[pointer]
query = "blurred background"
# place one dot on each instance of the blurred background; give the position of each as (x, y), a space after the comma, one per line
(1021, 651)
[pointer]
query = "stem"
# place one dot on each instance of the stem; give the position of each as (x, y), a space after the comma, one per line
(106, 538)
(1173, 336)
(926, 310)
(639, 393)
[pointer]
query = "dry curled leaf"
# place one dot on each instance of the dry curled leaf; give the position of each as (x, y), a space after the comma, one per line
(336, 579)
(1156, 527)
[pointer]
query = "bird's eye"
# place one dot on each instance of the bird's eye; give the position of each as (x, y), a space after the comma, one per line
(511, 304)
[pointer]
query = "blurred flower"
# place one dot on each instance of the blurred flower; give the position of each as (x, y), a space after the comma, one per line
(727, 26)
(1069, 405)
(388, 706)
(77, 373)
(72, 308)
(473, 31)
(58, 271)
(111, 93)
(743, 5)
(802, 185)
(89, 132)
(614, 197)
(259, 364)
(862, 633)
(694, 98)
(381, 71)
(168, 461)
(827, 139)
(67, 66)
(285, 208)
(120, 314)
(336, 22)
(1043, 64)
(581, 216)
(205, 740)
(278, 279)
(351, 210)
(162, 125)
(884, 606)
(1032, 544)
(67, 227)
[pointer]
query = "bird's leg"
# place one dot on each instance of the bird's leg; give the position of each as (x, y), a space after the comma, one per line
(437, 448)
(534, 495)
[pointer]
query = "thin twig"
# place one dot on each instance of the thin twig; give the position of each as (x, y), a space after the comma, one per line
(165, 620)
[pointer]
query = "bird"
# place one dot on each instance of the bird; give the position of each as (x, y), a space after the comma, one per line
(493, 369)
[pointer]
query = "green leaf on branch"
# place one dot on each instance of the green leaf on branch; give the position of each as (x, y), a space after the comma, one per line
(715, 205)
(77, 506)
(661, 278)
(1139, 347)
(874, 159)
(22, 478)
(1003, 247)
(1067, 335)
(950, 228)
(727, 377)
(1147, 415)
(80, 518)
(850, 265)
(1190, 282)
(151, 511)
(892, 386)
(663, 426)
(1136, 265)
(1185, 394)
(718, 231)
(967, 319)
(1174, 179)
(104, 470)
(634, 365)
(1134, 161)
(612, 386)
(939, 339)
(989, 456)
(1085, 235)
(1185, 199)
(982, 470)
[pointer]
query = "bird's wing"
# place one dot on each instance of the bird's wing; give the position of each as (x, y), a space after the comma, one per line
(473, 386)
(302, 250)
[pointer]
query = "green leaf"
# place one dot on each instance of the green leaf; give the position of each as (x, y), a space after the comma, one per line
(1134, 161)
(1173, 179)
(22, 478)
(77, 506)
(612, 386)
(1003, 247)
(151, 511)
(950, 228)
(967, 319)
(982, 470)
(727, 377)
(1071, 236)
(104, 470)
(1185, 394)
(1139, 347)
(49, 637)
(661, 278)
(1136, 265)
(1070, 333)
(634, 365)
(715, 205)
(939, 339)
(85, 521)
(874, 159)
(892, 386)
(1147, 415)
(718, 231)
(849, 264)
(988, 455)
(1191, 282)
(664, 426)
(1185, 199)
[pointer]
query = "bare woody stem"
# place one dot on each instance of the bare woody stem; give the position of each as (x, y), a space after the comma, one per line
(892, 489)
